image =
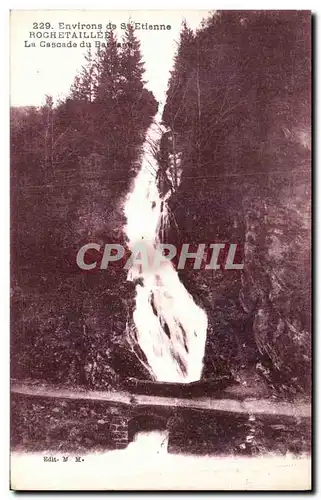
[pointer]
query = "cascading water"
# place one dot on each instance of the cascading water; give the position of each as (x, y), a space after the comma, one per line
(168, 326)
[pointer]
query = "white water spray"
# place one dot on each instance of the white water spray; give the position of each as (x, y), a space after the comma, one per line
(168, 326)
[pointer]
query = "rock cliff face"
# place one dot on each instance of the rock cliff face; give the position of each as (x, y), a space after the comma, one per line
(275, 285)
(240, 115)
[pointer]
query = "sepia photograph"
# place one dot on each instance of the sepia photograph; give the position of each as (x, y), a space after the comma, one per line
(160, 228)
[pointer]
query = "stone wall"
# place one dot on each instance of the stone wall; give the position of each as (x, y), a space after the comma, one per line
(68, 425)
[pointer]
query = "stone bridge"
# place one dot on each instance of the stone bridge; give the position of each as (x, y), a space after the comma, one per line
(202, 419)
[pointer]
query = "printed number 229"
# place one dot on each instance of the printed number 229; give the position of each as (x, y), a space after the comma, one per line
(41, 26)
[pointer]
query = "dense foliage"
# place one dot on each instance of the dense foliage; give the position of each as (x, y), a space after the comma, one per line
(72, 164)
(238, 115)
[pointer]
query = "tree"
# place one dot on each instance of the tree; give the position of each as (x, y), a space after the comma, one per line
(84, 87)
(132, 66)
(179, 81)
(48, 108)
(108, 65)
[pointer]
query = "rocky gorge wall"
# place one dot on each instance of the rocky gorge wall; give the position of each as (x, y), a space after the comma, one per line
(241, 123)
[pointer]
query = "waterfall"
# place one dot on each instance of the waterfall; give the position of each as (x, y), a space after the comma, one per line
(169, 327)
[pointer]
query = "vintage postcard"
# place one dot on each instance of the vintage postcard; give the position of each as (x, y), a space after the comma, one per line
(160, 250)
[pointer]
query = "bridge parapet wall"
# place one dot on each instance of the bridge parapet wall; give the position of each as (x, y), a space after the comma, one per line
(43, 418)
